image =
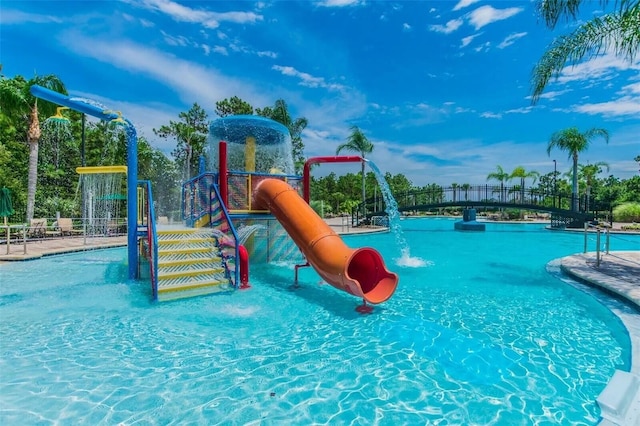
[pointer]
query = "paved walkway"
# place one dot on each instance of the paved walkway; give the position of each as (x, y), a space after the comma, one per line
(37, 248)
(617, 272)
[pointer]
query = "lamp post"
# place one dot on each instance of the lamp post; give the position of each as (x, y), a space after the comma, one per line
(555, 187)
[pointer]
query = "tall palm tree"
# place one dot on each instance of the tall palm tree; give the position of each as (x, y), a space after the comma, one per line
(17, 101)
(520, 173)
(617, 32)
(501, 176)
(358, 142)
(589, 173)
(574, 142)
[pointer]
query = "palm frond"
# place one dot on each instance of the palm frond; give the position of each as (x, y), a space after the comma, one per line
(618, 33)
(552, 10)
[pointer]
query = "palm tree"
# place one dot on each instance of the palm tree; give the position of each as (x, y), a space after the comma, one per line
(520, 173)
(358, 142)
(618, 32)
(18, 101)
(574, 142)
(501, 176)
(466, 187)
(589, 172)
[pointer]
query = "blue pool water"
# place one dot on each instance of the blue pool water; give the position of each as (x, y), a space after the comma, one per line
(483, 333)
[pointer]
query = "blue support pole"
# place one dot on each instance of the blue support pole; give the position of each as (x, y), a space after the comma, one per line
(201, 164)
(132, 164)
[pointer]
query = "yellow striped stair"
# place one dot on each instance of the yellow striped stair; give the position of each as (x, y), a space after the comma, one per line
(189, 264)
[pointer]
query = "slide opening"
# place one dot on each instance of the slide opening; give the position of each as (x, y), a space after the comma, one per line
(367, 267)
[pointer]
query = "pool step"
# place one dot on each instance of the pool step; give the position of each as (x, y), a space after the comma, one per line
(189, 264)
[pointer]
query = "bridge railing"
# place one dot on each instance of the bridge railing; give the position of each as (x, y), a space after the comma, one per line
(506, 196)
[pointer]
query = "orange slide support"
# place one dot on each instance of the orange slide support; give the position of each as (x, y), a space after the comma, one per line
(360, 272)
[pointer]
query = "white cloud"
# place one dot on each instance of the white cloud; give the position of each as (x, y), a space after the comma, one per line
(206, 18)
(489, 114)
(406, 27)
(598, 68)
(448, 28)
(147, 24)
(464, 3)
(267, 54)
(306, 79)
(510, 39)
(221, 50)
(523, 110)
(552, 95)
(624, 107)
(174, 40)
(338, 3)
(485, 15)
(484, 47)
(632, 88)
(9, 17)
(466, 40)
(184, 77)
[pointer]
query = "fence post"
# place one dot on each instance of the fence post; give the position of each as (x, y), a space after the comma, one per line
(8, 238)
(598, 248)
(607, 241)
(24, 238)
(586, 225)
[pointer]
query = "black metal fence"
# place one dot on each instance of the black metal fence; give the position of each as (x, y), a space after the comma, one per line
(489, 196)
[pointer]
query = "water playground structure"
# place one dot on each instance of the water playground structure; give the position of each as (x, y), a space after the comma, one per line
(250, 208)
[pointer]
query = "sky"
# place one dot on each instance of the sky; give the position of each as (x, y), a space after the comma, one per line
(441, 88)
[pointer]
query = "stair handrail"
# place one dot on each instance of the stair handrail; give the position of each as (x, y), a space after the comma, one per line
(197, 201)
(152, 236)
(227, 219)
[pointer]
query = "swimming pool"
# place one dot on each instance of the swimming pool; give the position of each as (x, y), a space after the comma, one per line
(483, 334)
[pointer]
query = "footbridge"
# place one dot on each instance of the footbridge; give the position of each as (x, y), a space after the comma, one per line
(489, 197)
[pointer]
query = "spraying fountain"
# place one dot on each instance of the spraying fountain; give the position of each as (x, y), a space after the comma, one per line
(132, 161)
(55, 130)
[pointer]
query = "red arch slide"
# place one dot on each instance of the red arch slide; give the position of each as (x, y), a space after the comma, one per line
(360, 272)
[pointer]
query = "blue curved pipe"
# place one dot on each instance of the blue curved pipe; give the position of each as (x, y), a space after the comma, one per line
(132, 164)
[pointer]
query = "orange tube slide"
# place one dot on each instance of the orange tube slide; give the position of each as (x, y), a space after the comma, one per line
(360, 272)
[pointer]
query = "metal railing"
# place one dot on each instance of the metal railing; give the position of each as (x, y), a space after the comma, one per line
(49, 229)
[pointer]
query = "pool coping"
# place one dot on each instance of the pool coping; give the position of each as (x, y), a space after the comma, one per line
(617, 273)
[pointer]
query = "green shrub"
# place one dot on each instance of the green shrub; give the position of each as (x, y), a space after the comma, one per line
(627, 212)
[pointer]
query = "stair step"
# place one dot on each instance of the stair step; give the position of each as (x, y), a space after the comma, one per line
(183, 250)
(183, 293)
(191, 286)
(203, 240)
(186, 231)
(206, 261)
(189, 273)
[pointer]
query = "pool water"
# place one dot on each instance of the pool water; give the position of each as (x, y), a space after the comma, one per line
(485, 332)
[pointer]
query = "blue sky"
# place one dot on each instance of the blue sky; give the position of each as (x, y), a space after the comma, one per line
(440, 87)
